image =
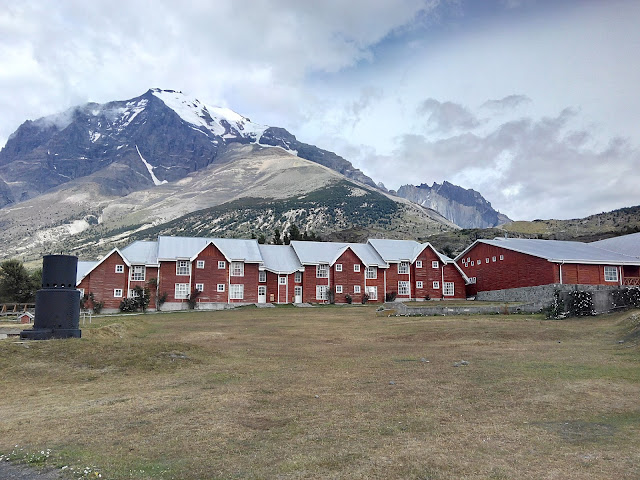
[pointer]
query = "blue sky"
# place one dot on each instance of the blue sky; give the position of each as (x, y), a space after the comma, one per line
(532, 103)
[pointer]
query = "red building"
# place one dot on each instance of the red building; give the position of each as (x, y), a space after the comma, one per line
(505, 263)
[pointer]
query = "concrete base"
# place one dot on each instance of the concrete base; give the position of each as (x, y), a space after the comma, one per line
(48, 333)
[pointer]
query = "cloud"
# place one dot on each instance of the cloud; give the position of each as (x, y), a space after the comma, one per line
(447, 116)
(507, 103)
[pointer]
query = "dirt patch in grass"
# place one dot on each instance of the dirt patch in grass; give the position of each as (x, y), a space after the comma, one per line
(328, 393)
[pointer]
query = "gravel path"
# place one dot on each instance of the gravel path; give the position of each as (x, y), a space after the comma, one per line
(9, 471)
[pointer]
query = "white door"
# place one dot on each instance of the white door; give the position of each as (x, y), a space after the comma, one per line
(297, 291)
(262, 294)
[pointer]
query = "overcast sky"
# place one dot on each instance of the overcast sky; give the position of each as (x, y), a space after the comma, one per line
(533, 103)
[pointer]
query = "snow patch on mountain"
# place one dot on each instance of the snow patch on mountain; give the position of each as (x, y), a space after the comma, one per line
(150, 168)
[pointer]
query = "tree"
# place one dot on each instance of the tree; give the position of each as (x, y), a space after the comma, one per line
(15, 283)
(294, 233)
(261, 239)
(276, 237)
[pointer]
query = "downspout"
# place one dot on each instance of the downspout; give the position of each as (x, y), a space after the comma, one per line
(329, 282)
(442, 281)
(561, 272)
(620, 275)
(410, 284)
(190, 276)
(229, 285)
(128, 282)
(286, 288)
(384, 275)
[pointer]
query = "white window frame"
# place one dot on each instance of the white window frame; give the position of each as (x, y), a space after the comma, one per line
(133, 293)
(119, 268)
(608, 270)
(200, 264)
(356, 267)
(501, 257)
(181, 291)
(237, 269)
(371, 273)
(338, 288)
(220, 287)
(473, 279)
(183, 267)
(117, 292)
(479, 261)
(419, 284)
(472, 263)
(282, 280)
(322, 270)
(138, 273)
(436, 285)
(403, 268)
(435, 264)
(493, 259)
(236, 291)
(418, 263)
(338, 267)
(200, 287)
(448, 289)
(262, 276)
(81, 290)
(356, 289)
(486, 260)
(222, 264)
(297, 278)
(321, 292)
(404, 288)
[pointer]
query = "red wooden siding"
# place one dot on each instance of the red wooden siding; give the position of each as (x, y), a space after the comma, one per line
(210, 276)
(103, 280)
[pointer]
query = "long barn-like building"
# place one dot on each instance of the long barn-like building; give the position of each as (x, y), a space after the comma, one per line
(240, 271)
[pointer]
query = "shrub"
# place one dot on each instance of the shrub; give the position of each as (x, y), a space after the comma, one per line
(556, 309)
(192, 299)
(348, 298)
(626, 297)
(161, 299)
(331, 295)
(581, 303)
(128, 305)
(390, 296)
(427, 297)
(365, 298)
(97, 306)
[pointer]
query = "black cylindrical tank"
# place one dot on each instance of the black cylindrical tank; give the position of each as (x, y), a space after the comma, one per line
(58, 301)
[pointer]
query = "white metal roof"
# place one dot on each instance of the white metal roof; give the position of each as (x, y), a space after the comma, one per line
(394, 251)
(141, 253)
(279, 258)
(83, 269)
(625, 244)
(559, 251)
(315, 253)
(234, 249)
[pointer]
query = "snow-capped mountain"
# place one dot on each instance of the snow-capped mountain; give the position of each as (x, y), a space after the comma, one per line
(130, 145)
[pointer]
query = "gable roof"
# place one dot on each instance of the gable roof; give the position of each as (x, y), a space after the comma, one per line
(625, 244)
(234, 249)
(558, 251)
(141, 253)
(394, 251)
(83, 269)
(315, 253)
(279, 258)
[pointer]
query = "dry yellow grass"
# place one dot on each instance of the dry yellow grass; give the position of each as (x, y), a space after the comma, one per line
(330, 393)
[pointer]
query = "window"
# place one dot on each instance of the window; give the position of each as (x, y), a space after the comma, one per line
(403, 288)
(298, 277)
(282, 280)
(501, 257)
(321, 292)
(403, 267)
(419, 264)
(493, 259)
(468, 259)
(356, 267)
(236, 291)
(371, 272)
(221, 287)
(133, 293)
(472, 280)
(119, 268)
(479, 262)
(610, 274)
(81, 290)
(322, 271)
(486, 260)
(117, 292)
(338, 288)
(418, 284)
(373, 293)
(182, 267)
(338, 267)
(182, 290)
(137, 273)
(436, 285)
(447, 289)
(472, 263)
(435, 264)
(200, 287)
(356, 289)
(200, 264)
(262, 276)
(237, 269)
(222, 264)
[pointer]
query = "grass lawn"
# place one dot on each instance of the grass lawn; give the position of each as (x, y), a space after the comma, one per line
(328, 393)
